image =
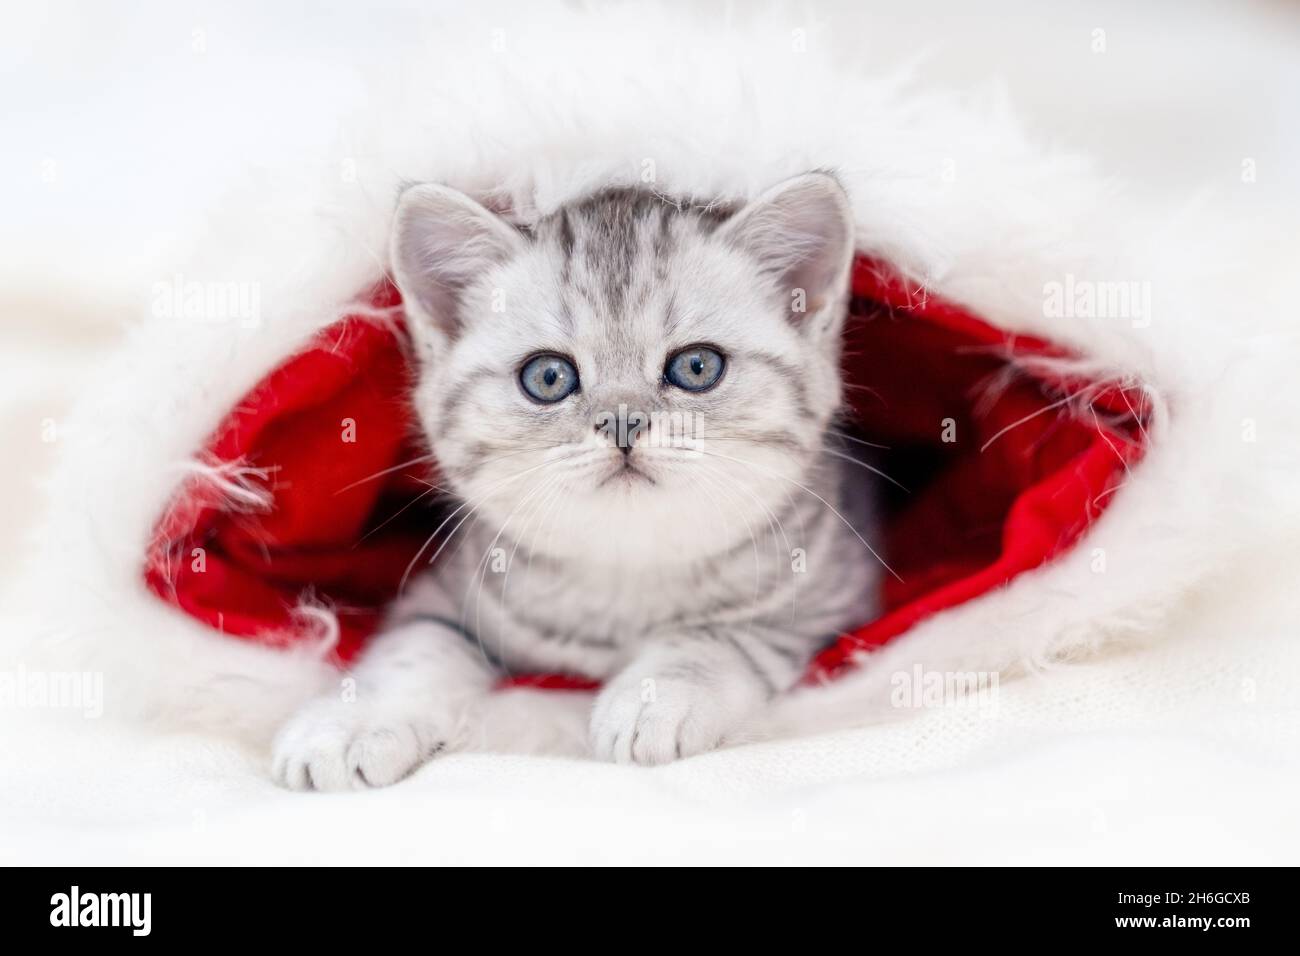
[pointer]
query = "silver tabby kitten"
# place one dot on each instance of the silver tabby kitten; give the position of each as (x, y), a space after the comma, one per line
(630, 401)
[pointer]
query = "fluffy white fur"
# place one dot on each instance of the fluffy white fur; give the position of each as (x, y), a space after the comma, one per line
(714, 107)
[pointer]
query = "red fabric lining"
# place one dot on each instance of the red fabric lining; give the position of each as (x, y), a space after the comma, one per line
(983, 508)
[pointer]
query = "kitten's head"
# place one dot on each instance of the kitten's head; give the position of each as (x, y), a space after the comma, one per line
(628, 367)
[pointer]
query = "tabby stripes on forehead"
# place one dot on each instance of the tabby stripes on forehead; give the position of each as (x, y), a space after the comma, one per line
(607, 234)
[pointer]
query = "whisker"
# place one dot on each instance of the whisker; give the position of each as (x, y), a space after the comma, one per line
(386, 471)
(753, 541)
(862, 464)
(397, 514)
(845, 521)
(555, 488)
(476, 517)
(520, 450)
(1020, 421)
(428, 541)
(549, 504)
(853, 438)
(773, 522)
(483, 498)
(479, 579)
(829, 451)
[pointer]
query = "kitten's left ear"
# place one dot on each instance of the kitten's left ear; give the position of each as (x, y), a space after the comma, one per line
(801, 233)
(443, 241)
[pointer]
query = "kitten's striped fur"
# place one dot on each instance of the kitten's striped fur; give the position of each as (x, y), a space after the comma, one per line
(695, 576)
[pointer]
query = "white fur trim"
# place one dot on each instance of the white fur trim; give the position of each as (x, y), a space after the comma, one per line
(952, 194)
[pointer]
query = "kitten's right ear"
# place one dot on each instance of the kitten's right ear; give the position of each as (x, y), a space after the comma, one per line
(442, 241)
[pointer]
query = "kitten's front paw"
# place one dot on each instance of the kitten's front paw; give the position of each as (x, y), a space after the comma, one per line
(336, 745)
(650, 721)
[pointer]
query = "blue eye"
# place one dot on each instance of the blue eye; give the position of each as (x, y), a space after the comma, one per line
(548, 378)
(696, 369)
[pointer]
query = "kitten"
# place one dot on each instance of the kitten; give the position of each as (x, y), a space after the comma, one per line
(630, 401)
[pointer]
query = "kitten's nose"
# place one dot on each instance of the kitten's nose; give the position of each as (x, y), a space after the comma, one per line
(623, 427)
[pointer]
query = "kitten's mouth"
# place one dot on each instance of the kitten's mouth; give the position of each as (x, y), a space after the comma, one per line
(626, 473)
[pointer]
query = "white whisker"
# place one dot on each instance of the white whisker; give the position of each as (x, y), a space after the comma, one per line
(831, 507)
(386, 471)
(1020, 421)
